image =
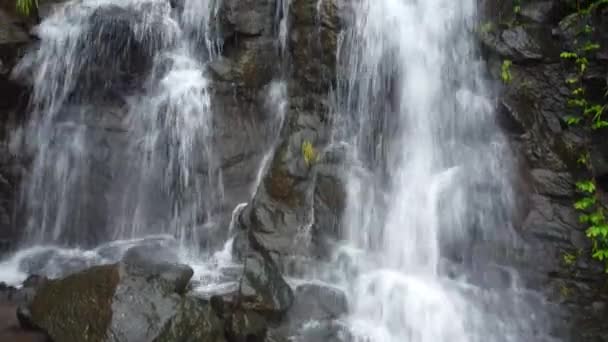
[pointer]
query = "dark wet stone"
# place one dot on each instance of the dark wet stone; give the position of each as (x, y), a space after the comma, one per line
(195, 320)
(141, 261)
(551, 183)
(246, 326)
(262, 287)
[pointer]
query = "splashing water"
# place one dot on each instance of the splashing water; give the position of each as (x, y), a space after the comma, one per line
(107, 66)
(432, 179)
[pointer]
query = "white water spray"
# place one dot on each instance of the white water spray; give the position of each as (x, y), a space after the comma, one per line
(432, 178)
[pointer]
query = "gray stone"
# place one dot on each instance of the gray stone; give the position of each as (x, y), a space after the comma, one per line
(262, 288)
(140, 262)
(553, 183)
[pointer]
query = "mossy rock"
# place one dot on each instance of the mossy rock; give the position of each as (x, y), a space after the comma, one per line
(280, 185)
(253, 66)
(77, 308)
(304, 12)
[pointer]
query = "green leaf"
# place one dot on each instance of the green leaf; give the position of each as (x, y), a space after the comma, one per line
(593, 232)
(577, 103)
(573, 120)
(591, 47)
(578, 91)
(600, 254)
(599, 124)
(584, 203)
(571, 80)
(595, 111)
(596, 218)
(597, 231)
(568, 55)
(505, 71)
(586, 186)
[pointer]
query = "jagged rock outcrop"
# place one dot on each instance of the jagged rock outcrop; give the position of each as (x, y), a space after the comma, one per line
(281, 216)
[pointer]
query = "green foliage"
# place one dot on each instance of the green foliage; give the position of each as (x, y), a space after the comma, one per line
(309, 153)
(592, 215)
(25, 7)
(505, 71)
(590, 208)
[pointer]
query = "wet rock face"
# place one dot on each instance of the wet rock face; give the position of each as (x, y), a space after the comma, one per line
(532, 109)
(13, 41)
(118, 48)
(262, 288)
(281, 218)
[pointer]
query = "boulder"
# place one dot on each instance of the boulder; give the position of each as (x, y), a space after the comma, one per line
(262, 288)
(140, 298)
(195, 321)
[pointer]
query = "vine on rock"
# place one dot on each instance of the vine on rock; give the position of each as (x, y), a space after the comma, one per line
(592, 212)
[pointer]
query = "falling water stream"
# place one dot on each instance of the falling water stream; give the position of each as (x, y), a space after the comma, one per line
(430, 182)
(143, 63)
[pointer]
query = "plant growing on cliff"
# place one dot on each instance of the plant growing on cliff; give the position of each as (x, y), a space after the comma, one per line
(25, 7)
(592, 210)
(309, 153)
(505, 71)
(592, 214)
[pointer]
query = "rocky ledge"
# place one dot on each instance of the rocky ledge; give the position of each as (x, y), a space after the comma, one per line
(146, 298)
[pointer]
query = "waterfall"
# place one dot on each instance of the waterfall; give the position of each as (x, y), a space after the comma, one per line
(430, 182)
(151, 170)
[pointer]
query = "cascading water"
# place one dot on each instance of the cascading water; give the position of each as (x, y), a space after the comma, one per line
(122, 135)
(93, 54)
(430, 182)
(121, 130)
